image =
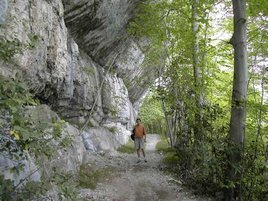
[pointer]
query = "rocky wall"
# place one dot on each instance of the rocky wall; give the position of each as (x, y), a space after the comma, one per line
(68, 48)
(79, 61)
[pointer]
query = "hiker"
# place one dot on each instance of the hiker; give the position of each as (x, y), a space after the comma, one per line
(140, 138)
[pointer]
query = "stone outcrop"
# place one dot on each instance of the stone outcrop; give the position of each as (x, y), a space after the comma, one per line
(29, 167)
(104, 33)
(77, 57)
(74, 46)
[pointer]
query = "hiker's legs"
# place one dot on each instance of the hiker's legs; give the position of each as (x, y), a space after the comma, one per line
(139, 145)
(143, 152)
(142, 146)
(138, 153)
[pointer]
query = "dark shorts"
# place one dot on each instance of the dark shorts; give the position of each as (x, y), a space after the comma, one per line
(139, 143)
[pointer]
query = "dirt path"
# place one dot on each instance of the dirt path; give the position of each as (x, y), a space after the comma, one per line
(134, 181)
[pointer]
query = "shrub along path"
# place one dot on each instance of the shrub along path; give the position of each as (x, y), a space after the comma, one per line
(118, 177)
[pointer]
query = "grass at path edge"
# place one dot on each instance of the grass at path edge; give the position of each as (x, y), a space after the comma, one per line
(127, 148)
(170, 154)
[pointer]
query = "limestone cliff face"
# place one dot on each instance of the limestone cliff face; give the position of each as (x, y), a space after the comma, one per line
(83, 56)
(78, 59)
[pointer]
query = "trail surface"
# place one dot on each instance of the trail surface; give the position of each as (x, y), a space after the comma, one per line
(132, 181)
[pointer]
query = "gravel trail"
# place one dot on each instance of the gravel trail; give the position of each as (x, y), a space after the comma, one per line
(132, 181)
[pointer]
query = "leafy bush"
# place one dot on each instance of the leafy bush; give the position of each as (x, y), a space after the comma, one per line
(10, 47)
(23, 130)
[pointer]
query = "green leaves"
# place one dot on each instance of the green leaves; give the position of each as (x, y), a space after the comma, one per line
(258, 7)
(168, 26)
(11, 47)
(151, 114)
(6, 188)
(30, 128)
(8, 48)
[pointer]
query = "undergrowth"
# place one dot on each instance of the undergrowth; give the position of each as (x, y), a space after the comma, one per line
(171, 156)
(127, 148)
(90, 176)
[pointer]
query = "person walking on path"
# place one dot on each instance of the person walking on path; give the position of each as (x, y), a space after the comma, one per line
(140, 138)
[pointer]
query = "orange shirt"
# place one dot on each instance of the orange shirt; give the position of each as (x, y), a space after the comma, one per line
(139, 131)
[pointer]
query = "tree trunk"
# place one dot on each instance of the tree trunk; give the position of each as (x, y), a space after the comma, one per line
(168, 128)
(239, 98)
(198, 128)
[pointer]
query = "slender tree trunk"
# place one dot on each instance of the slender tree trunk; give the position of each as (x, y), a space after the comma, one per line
(198, 130)
(169, 128)
(168, 122)
(239, 98)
